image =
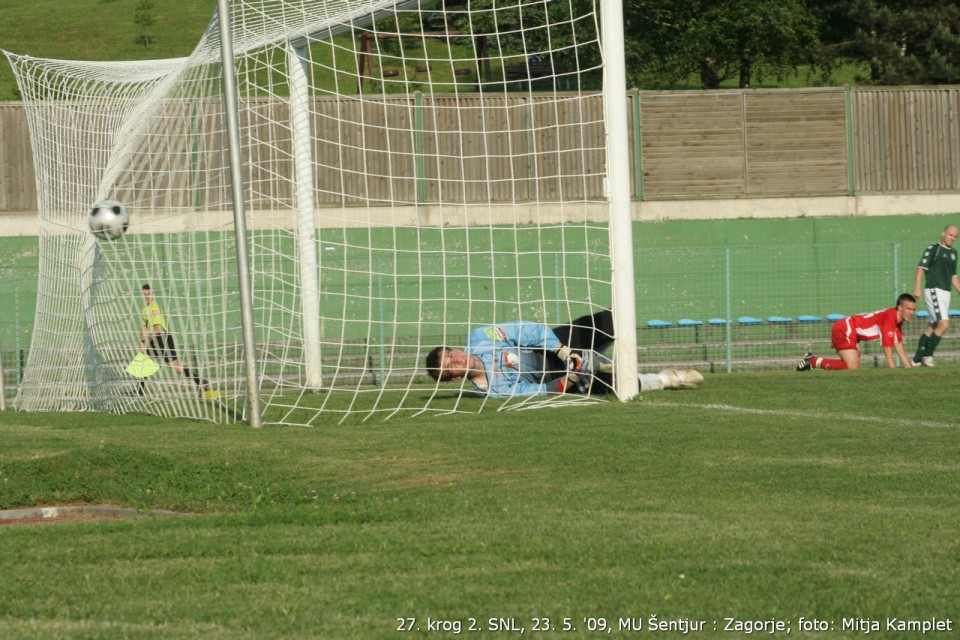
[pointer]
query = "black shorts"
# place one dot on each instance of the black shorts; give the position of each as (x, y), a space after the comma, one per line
(162, 347)
(588, 333)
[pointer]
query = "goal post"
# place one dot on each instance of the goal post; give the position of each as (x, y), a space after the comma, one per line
(304, 187)
(410, 170)
(621, 211)
(238, 205)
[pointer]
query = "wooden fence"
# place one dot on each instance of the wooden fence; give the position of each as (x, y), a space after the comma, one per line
(740, 143)
(691, 144)
(907, 140)
(17, 179)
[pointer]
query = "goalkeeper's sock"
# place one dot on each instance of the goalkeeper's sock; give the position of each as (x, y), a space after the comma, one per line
(650, 382)
(828, 364)
(192, 374)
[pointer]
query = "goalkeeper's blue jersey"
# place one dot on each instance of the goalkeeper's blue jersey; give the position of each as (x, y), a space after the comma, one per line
(514, 357)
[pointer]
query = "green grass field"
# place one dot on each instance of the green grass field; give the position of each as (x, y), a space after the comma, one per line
(762, 498)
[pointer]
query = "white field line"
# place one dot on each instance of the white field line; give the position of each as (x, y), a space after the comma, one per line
(817, 415)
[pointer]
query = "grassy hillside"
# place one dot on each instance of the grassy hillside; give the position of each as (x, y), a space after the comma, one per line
(119, 30)
(98, 30)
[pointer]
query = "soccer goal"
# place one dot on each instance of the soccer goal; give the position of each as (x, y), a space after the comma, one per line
(410, 170)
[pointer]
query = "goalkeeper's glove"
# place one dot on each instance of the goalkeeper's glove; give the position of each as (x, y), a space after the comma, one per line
(580, 367)
(571, 359)
(579, 372)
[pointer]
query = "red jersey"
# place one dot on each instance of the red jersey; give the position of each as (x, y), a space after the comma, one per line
(883, 324)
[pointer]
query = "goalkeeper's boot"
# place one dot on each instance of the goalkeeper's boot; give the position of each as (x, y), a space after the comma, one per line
(926, 361)
(689, 378)
(806, 363)
(682, 379)
(205, 391)
(669, 378)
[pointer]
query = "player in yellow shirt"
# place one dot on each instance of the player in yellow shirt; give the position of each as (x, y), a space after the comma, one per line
(156, 341)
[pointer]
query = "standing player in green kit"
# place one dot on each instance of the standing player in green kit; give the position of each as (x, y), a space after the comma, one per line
(939, 263)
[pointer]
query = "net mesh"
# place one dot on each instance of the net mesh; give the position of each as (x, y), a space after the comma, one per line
(412, 170)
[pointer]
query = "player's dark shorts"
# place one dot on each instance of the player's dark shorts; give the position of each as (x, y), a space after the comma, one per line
(587, 333)
(162, 347)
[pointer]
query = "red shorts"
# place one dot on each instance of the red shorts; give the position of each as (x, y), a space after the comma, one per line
(843, 335)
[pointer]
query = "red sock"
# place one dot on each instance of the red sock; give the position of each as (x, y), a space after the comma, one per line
(829, 364)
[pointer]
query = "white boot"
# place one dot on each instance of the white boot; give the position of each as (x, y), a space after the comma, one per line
(680, 379)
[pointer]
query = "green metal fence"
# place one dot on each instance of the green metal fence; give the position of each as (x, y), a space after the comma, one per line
(753, 307)
(18, 299)
(720, 308)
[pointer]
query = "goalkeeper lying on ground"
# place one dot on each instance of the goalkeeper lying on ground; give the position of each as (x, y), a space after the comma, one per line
(519, 359)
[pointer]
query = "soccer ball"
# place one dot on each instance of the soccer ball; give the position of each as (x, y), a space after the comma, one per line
(108, 219)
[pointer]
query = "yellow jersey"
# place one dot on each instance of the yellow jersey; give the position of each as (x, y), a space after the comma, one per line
(152, 315)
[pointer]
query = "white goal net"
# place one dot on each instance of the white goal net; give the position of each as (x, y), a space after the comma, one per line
(412, 170)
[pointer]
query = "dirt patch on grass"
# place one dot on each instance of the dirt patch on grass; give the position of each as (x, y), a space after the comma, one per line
(74, 513)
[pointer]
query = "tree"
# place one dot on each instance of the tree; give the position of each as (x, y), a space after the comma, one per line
(902, 42)
(144, 18)
(518, 30)
(718, 39)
